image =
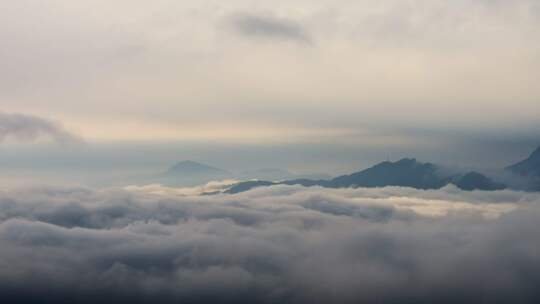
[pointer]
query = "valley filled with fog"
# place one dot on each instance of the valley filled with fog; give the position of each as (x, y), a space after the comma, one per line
(285, 244)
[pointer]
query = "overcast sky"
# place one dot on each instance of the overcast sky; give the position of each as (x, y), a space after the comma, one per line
(338, 73)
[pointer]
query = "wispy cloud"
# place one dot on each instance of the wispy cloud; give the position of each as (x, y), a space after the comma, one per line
(264, 26)
(28, 128)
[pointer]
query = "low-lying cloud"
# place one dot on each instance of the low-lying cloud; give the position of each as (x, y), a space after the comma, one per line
(279, 244)
(262, 26)
(28, 128)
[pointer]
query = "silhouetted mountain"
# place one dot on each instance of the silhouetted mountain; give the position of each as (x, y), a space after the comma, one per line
(529, 167)
(404, 173)
(190, 173)
(191, 168)
(245, 186)
(528, 172)
(248, 185)
(476, 181)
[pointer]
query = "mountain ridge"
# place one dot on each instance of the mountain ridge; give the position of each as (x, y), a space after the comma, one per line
(407, 172)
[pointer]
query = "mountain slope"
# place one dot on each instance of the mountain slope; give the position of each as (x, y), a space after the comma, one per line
(529, 167)
(476, 181)
(404, 173)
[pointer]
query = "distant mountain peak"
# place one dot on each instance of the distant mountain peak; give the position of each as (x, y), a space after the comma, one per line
(406, 172)
(477, 181)
(189, 167)
(188, 164)
(406, 161)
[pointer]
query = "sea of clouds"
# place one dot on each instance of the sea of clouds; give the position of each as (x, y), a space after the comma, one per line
(281, 244)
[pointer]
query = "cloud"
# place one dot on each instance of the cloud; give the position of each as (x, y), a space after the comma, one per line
(29, 128)
(279, 244)
(269, 27)
(432, 54)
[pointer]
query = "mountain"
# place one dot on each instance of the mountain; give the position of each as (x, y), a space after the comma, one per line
(476, 181)
(527, 172)
(246, 186)
(190, 173)
(191, 168)
(529, 167)
(407, 172)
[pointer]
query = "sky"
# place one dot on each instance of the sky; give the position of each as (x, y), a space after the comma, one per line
(445, 80)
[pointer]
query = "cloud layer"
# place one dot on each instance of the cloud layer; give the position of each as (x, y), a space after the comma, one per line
(280, 244)
(29, 128)
(114, 73)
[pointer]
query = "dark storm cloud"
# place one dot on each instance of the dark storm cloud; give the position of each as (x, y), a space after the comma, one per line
(274, 245)
(269, 27)
(29, 128)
